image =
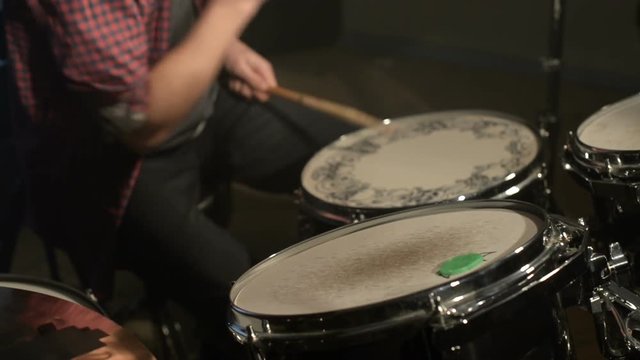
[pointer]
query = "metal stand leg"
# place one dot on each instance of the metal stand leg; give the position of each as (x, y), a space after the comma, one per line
(552, 66)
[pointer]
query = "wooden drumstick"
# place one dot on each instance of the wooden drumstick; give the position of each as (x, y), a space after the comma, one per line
(346, 113)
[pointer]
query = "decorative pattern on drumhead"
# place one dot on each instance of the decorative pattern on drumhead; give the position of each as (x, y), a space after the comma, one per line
(420, 160)
(615, 127)
(381, 262)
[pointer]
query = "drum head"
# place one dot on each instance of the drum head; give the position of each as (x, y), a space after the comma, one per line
(382, 259)
(422, 159)
(615, 127)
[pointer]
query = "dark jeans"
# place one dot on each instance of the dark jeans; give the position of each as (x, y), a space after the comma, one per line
(11, 203)
(170, 243)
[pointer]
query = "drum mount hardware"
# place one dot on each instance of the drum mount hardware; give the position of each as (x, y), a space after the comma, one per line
(616, 310)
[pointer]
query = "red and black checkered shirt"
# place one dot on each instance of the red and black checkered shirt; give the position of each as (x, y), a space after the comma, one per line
(105, 47)
(69, 58)
(98, 52)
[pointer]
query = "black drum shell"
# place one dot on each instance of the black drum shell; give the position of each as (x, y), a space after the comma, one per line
(316, 217)
(530, 327)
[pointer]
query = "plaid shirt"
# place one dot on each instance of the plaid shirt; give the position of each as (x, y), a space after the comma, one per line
(70, 57)
(103, 49)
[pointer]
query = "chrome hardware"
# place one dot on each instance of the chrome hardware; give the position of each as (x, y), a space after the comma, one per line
(599, 265)
(89, 292)
(619, 307)
(565, 234)
(619, 265)
(615, 308)
(252, 339)
(357, 217)
(615, 267)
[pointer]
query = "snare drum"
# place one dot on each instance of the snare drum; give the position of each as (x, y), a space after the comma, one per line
(472, 280)
(419, 160)
(604, 155)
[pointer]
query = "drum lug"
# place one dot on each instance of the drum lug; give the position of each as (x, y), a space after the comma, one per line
(89, 292)
(565, 233)
(254, 344)
(443, 313)
(357, 217)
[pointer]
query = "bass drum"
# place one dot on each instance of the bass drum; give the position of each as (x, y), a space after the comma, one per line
(419, 160)
(473, 280)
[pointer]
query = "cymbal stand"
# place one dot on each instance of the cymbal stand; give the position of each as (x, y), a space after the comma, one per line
(552, 66)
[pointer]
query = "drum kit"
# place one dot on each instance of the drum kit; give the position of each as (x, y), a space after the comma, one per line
(434, 236)
(431, 237)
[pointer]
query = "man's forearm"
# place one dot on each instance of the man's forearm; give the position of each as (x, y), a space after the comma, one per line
(186, 72)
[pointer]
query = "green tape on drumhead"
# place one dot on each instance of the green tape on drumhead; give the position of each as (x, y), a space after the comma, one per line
(460, 264)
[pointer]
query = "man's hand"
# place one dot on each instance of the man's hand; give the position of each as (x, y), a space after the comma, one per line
(251, 74)
(184, 74)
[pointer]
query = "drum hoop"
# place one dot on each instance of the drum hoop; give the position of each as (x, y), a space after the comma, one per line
(563, 257)
(506, 279)
(78, 296)
(602, 163)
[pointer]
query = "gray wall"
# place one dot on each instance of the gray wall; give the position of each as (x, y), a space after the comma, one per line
(601, 36)
(285, 25)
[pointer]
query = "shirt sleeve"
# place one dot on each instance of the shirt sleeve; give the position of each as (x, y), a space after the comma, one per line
(102, 48)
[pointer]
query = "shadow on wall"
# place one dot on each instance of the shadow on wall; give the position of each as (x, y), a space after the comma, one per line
(601, 39)
(287, 25)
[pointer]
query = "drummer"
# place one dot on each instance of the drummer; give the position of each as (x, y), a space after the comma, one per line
(122, 119)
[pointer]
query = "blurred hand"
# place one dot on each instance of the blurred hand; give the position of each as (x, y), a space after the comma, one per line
(251, 74)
